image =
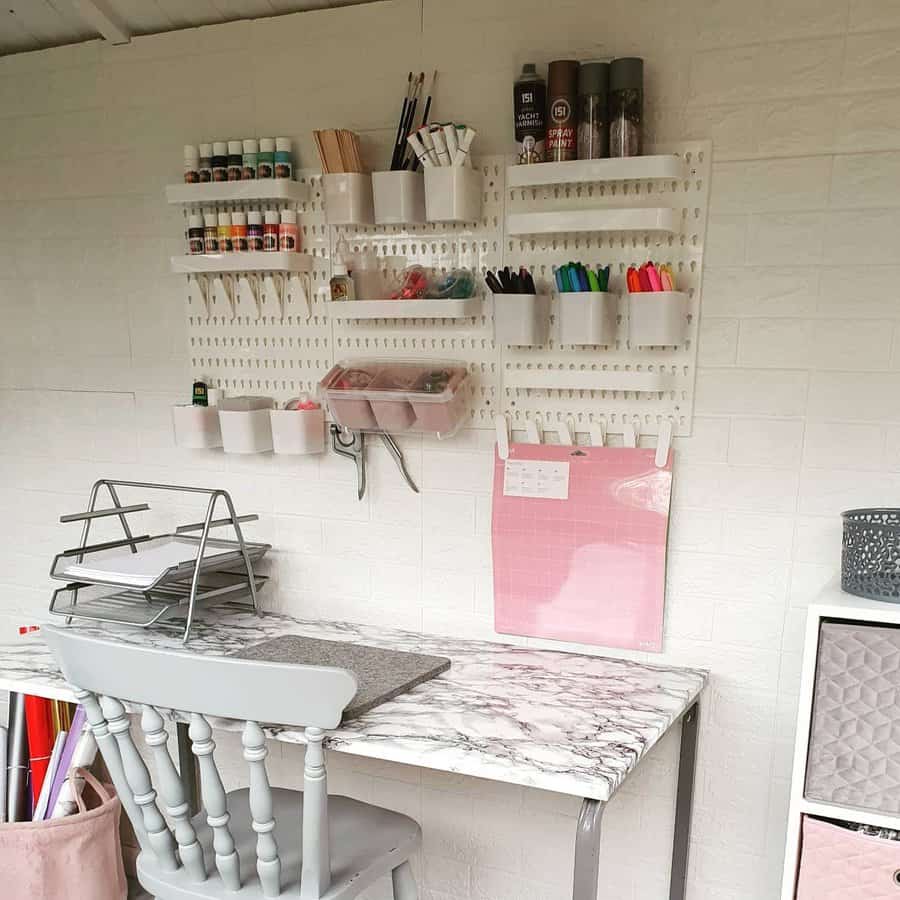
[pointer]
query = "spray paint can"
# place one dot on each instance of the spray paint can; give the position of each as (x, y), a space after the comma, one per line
(529, 109)
(562, 144)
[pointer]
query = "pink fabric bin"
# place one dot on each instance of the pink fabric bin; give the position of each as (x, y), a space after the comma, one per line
(77, 857)
(839, 864)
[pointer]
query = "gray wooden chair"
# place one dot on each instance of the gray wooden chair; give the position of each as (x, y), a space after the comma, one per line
(252, 843)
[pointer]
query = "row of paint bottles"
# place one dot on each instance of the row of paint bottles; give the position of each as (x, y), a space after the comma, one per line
(239, 231)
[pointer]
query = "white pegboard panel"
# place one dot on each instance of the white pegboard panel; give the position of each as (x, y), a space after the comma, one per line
(683, 251)
(266, 354)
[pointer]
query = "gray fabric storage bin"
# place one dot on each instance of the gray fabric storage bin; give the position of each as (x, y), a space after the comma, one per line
(854, 751)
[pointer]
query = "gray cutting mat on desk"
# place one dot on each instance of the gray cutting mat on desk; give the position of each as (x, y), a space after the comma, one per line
(380, 674)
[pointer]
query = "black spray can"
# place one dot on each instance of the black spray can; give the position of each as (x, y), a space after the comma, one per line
(530, 107)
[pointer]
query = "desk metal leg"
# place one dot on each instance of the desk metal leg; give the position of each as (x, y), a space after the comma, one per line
(587, 850)
(187, 767)
(684, 800)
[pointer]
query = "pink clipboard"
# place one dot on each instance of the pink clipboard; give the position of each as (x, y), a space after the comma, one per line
(590, 569)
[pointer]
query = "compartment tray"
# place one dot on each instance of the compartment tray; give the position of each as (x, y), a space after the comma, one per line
(159, 561)
(144, 608)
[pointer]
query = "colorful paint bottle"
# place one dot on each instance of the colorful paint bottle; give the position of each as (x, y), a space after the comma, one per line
(251, 151)
(210, 233)
(191, 164)
(220, 161)
(288, 234)
(235, 160)
(225, 232)
(270, 230)
(205, 163)
(239, 232)
(196, 232)
(265, 161)
(284, 165)
(254, 230)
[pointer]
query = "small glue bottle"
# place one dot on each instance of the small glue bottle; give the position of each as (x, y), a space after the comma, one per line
(341, 283)
(288, 234)
(270, 230)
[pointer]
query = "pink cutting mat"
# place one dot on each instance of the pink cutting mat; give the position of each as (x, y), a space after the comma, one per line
(590, 569)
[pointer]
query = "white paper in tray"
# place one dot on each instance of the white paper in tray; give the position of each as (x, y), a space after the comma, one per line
(139, 569)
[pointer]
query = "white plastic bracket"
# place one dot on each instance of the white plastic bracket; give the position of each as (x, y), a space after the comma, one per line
(598, 434)
(665, 442)
(501, 424)
(629, 434)
(565, 434)
(275, 282)
(533, 432)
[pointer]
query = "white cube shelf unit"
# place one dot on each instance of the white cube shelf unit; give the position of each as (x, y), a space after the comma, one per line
(615, 383)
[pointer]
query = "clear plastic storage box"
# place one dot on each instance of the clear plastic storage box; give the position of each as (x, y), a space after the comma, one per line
(398, 395)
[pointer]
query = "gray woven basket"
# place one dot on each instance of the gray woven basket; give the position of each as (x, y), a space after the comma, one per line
(870, 562)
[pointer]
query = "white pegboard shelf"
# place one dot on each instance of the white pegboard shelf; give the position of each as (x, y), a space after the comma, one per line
(585, 171)
(572, 379)
(283, 355)
(248, 261)
(562, 221)
(405, 309)
(282, 190)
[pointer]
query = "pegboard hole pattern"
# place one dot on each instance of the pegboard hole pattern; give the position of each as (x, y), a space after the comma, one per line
(286, 356)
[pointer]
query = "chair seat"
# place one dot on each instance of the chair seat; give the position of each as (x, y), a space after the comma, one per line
(367, 842)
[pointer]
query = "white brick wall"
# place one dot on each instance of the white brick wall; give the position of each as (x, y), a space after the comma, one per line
(797, 405)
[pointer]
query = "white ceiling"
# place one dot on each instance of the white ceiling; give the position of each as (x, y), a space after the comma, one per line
(32, 24)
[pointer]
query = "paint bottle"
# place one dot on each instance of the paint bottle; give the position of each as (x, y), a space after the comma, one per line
(196, 232)
(191, 164)
(530, 111)
(210, 233)
(265, 161)
(284, 165)
(200, 394)
(562, 82)
(225, 232)
(220, 161)
(270, 230)
(205, 163)
(235, 160)
(288, 233)
(251, 151)
(239, 232)
(254, 230)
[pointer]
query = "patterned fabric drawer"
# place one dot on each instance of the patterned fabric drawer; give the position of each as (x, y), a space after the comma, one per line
(839, 864)
(854, 751)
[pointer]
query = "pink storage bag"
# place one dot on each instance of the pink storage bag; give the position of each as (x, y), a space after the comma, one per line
(73, 858)
(840, 864)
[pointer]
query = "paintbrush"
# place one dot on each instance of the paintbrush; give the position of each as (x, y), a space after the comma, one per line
(401, 132)
(410, 115)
